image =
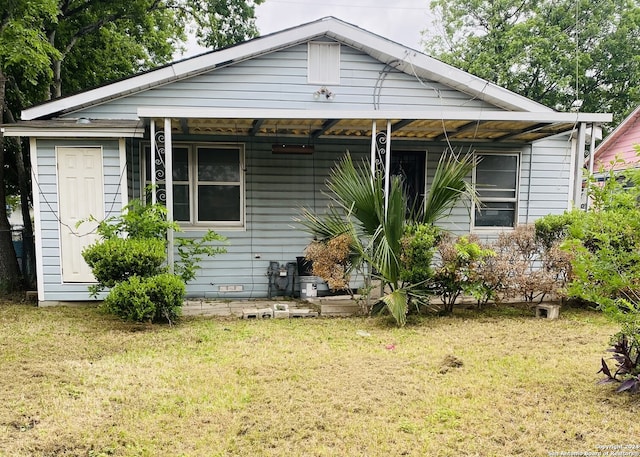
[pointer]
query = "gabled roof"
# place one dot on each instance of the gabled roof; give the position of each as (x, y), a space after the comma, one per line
(620, 142)
(386, 51)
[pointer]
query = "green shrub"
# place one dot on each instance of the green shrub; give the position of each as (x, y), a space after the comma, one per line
(554, 228)
(418, 246)
(457, 273)
(191, 251)
(138, 220)
(131, 259)
(149, 221)
(152, 299)
(604, 243)
(116, 259)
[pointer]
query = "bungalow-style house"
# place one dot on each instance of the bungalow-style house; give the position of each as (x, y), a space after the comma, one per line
(617, 150)
(239, 139)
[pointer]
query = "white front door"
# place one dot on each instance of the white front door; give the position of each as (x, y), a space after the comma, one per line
(80, 195)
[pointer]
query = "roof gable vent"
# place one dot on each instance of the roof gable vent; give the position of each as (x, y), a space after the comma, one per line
(323, 66)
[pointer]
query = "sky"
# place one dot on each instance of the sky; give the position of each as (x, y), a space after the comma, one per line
(402, 22)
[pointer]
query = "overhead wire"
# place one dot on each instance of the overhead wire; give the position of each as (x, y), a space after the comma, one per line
(73, 230)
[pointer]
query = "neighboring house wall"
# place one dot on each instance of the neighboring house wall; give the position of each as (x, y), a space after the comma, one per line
(620, 145)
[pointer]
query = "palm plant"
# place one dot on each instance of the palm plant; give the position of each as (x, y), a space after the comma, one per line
(358, 208)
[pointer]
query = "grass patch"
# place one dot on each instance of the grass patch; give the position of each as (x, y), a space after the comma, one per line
(76, 382)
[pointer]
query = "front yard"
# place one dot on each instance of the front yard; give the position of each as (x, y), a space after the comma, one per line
(76, 382)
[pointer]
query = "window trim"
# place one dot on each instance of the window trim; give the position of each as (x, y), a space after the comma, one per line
(193, 182)
(515, 199)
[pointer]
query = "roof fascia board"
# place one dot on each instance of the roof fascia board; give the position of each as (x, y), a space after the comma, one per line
(60, 132)
(410, 61)
(230, 113)
(422, 65)
(178, 70)
(619, 130)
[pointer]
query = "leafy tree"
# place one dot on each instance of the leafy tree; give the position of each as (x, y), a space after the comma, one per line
(552, 51)
(24, 51)
(54, 47)
(128, 36)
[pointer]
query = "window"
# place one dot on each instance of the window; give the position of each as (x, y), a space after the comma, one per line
(208, 183)
(495, 179)
(323, 65)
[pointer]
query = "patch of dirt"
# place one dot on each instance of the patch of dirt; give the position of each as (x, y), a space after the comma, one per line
(449, 362)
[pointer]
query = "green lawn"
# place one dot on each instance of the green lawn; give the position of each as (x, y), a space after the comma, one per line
(75, 382)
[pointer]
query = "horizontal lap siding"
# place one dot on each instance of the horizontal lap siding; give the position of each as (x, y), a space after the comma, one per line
(278, 186)
(548, 174)
(550, 177)
(279, 81)
(54, 289)
(457, 221)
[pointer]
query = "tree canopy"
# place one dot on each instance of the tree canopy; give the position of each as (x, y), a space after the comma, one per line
(50, 48)
(552, 51)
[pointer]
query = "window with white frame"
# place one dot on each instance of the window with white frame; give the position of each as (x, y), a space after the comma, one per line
(495, 179)
(208, 183)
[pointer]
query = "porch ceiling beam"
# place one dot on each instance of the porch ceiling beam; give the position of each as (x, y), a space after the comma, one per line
(465, 128)
(531, 129)
(255, 127)
(400, 124)
(184, 126)
(326, 125)
(449, 115)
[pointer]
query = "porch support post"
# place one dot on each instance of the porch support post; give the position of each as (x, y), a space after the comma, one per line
(381, 158)
(578, 166)
(168, 166)
(387, 168)
(592, 153)
(373, 149)
(152, 157)
(592, 147)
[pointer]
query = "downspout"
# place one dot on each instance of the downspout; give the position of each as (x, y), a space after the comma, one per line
(168, 166)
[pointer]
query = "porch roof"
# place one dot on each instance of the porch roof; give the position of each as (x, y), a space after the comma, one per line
(459, 126)
(419, 125)
(82, 128)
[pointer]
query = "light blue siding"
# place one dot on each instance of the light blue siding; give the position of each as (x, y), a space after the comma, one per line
(279, 81)
(277, 188)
